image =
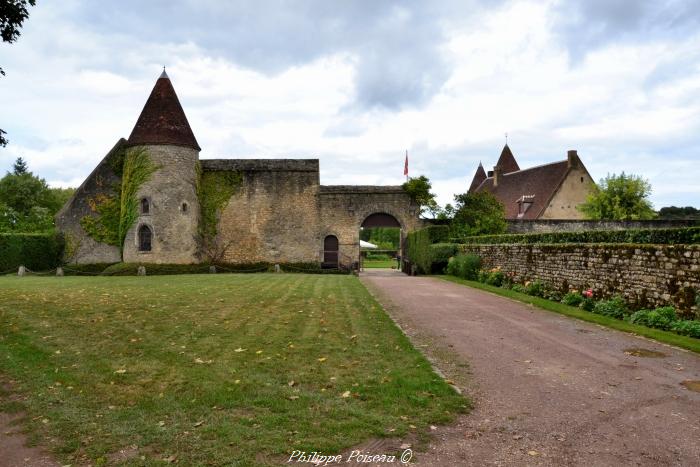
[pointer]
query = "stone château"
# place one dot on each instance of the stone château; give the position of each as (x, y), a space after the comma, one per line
(152, 200)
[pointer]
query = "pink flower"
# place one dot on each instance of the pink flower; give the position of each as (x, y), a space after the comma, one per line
(588, 293)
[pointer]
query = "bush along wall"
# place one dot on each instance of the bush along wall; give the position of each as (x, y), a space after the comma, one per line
(38, 252)
(645, 276)
(690, 235)
(419, 246)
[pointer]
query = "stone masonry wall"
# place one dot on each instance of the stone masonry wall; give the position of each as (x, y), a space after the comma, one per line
(646, 275)
(100, 182)
(274, 215)
(570, 225)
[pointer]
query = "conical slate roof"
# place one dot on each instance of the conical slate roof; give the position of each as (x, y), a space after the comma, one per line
(162, 120)
(479, 178)
(507, 161)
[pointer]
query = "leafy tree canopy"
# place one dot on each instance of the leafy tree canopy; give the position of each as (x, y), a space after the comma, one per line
(478, 214)
(27, 204)
(673, 212)
(620, 197)
(418, 189)
(12, 15)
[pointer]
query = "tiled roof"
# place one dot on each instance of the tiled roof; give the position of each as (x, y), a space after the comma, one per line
(162, 120)
(507, 161)
(541, 182)
(479, 177)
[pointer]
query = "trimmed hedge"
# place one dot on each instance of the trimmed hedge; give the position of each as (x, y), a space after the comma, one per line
(38, 252)
(440, 254)
(687, 235)
(419, 242)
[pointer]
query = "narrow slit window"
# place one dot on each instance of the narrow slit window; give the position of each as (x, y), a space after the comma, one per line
(145, 238)
(145, 206)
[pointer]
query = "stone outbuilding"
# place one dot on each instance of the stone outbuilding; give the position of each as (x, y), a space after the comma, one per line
(549, 191)
(152, 200)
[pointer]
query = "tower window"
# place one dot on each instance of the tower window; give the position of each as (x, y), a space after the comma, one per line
(145, 206)
(145, 236)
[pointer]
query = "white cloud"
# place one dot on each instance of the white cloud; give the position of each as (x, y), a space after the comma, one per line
(629, 105)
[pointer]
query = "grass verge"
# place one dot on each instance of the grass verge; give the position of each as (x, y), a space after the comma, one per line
(380, 263)
(211, 369)
(671, 338)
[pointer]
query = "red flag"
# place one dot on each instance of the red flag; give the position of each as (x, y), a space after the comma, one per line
(405, 165)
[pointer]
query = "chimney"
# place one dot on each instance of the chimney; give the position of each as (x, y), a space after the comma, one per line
(497, 174)
(572, 158)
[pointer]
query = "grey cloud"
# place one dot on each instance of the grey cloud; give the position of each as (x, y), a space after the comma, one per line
(396, 44)
(585, 25)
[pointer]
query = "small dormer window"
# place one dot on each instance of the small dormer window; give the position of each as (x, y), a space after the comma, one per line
(145, 206)
(524, 203)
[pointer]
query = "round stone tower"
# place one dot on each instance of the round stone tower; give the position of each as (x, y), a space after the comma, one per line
(166, 230)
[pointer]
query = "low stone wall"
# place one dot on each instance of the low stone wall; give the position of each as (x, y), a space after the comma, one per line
(565, 225)
(646, 275)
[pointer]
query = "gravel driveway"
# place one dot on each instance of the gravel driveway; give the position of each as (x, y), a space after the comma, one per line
(547, 389)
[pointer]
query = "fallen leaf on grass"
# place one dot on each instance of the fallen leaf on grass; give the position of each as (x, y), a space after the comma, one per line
(322, 359)
(291, 383)
(259, 352)
(345, 395)
(293, 398)
(239, 350)
(199, 423)
(120, 372)
(405, 446)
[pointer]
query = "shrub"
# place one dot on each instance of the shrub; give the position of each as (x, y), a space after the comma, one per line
(418, 246)
(465, 266)
(588, 304)
(686, 235)
(519, 288)
(495, 278)
(38, 252)
(660, 318)
(554, 295)
(440, 254)
(687, 328)
(535, 288)
(573, 299)
(614, 308)
(85, 269)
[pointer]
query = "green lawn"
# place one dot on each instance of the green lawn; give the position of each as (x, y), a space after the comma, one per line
(667, 337)
(210, 369)
(380, 263)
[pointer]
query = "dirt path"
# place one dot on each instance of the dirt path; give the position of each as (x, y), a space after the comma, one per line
(547, 389)
(14, 451)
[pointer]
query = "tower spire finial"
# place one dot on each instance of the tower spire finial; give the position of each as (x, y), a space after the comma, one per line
(164, 74)
(506, 131)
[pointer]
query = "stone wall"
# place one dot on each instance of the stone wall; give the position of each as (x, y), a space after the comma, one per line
(174, 209)
(274, 215)
(566, 225)
(343, 209)
(100, 182)
(646, 275)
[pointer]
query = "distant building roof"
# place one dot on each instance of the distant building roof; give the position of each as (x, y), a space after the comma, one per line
(538, 184)
(507, 161)
(162, 120)
(478, 179)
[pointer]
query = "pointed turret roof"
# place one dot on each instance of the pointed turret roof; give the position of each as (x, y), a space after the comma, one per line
(162, 120)
(507, 161)
(479, 178)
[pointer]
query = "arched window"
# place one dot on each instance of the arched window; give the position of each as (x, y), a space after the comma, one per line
(145, 236)
(145, 206)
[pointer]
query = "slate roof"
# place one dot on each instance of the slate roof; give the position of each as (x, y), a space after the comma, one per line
(162, 120)
(507, 161)
(542, 182)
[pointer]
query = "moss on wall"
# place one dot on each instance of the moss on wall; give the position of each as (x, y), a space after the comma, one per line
(117, 211)
(214, 190)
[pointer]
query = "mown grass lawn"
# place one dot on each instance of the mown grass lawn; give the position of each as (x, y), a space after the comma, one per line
(380, 263)
(210, 369)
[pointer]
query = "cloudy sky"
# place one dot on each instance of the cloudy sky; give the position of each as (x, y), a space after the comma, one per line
(356, 83)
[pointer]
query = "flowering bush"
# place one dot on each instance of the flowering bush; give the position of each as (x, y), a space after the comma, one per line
(573, 298)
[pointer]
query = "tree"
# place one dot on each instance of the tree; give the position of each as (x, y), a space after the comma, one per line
(19, 167)
(27, 204)
(478, 214)
(418, 188)
(12, 15)
(673, 212)
(620, 197)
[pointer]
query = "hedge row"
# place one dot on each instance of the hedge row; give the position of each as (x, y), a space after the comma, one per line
(687, 235)
(38, 252)
(420, 248)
